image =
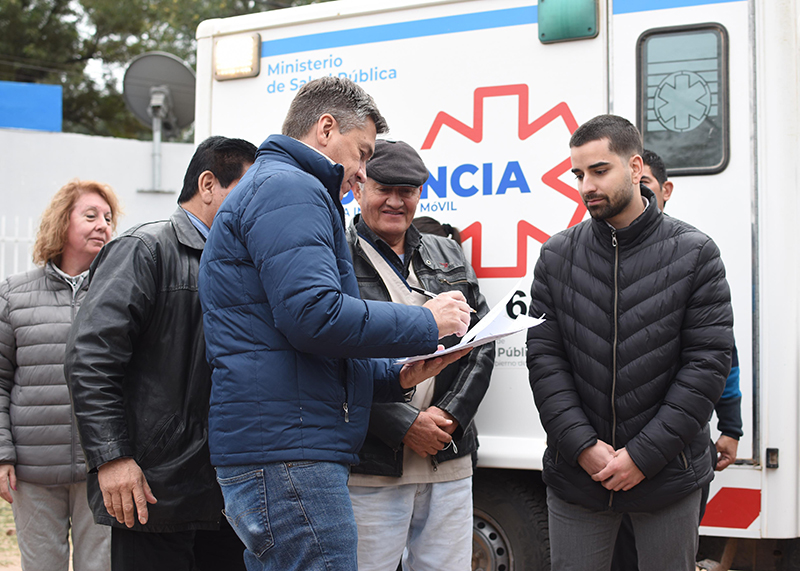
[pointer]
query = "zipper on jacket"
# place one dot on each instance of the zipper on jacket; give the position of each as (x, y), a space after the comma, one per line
(685, 462)
(615, 245)
(73, 424)
(74, 301)
(452, 444)
(343, 368)
(444, 281)
(435, 463)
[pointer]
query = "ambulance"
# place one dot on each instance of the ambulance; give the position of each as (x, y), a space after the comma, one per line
(489, 91)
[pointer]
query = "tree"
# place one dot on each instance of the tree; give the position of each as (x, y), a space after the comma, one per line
(54, 41)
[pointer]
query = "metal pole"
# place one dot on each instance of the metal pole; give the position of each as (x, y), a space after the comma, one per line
(156, 151)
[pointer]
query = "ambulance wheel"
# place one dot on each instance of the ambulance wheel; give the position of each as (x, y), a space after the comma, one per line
(509, 522)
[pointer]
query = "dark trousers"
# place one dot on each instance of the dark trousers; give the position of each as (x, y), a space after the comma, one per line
(626, 558)
(178, 551)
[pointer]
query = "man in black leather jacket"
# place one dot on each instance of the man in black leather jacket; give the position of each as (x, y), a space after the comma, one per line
(140, 384)
(413, 486)
(627, 367)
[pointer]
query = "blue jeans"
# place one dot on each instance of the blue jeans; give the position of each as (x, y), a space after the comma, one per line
(291, 515)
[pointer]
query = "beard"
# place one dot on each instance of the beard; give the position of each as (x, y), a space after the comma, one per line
(613, 204)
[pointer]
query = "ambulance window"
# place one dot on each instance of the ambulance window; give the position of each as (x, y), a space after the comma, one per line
(682, 97)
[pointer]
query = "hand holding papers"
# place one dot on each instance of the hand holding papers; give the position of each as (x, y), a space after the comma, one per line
(415, 372)
(496, 324)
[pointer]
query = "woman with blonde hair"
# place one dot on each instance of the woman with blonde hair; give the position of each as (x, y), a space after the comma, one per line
(42, 471)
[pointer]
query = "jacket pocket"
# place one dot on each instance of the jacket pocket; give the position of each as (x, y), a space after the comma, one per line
(246, 509)
(551, 458)
(165, 433)
(454, 281)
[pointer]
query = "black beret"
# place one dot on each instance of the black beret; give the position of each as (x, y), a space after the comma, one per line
(396, 163)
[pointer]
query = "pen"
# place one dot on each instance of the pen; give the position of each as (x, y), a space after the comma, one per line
(430, 294)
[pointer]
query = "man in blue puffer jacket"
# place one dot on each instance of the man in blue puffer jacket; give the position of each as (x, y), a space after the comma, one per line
(291, 345)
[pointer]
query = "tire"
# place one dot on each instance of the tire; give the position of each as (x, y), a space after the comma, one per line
(509, 522)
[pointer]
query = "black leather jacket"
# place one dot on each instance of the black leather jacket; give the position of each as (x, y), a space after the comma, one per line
(138, 376)
(440, 265)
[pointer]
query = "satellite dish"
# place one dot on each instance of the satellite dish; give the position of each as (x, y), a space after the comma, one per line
(160, 70)
(159, 89)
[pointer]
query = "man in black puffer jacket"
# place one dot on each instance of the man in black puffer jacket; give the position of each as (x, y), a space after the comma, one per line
(627, 368)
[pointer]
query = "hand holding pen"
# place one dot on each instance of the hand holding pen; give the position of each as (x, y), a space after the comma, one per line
(451, 312)
(430, 294)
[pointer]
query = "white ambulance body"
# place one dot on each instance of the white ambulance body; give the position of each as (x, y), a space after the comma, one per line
(489, 92)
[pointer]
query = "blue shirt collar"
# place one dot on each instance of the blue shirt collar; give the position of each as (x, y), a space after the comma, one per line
(199, 224)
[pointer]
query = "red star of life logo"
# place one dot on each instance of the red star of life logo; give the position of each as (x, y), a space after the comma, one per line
(551, 178)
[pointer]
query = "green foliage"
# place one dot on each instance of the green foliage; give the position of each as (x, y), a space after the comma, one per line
(52, 41)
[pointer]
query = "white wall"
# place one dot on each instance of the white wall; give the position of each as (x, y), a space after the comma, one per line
(34, 165)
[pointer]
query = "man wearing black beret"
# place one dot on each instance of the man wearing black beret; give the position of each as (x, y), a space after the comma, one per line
(413, 487)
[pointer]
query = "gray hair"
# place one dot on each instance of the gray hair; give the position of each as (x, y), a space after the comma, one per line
(348, 103)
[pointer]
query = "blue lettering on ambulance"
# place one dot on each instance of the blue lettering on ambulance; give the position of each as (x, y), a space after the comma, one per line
(487, 179)
(437, 185)
(518, 181)
(455, 180)
(462, 175)
(298, 66)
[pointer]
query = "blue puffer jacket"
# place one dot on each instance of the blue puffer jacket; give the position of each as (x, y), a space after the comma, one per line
(288, 339)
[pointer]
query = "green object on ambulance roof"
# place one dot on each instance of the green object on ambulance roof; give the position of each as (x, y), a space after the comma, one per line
(564, 20)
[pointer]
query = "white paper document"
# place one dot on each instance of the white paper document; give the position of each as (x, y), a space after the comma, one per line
(496, 324)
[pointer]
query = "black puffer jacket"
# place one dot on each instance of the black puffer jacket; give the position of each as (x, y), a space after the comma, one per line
(635, 352)
(138, 375)
(440, 265)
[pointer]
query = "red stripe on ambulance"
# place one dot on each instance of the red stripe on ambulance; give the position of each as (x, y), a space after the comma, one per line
(733, 507)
